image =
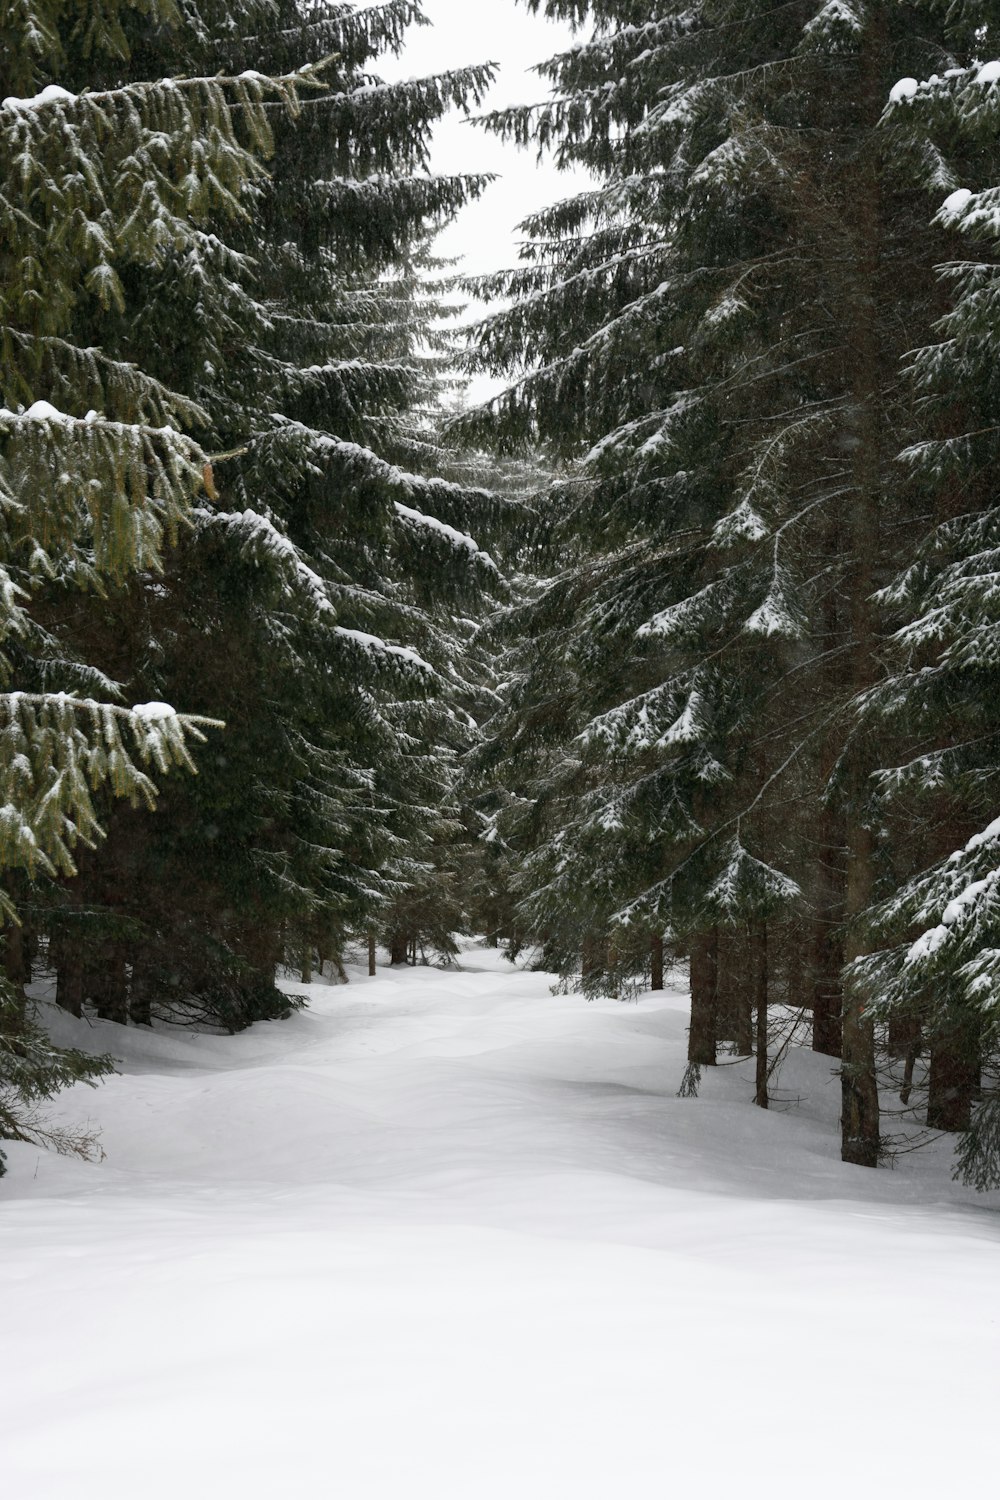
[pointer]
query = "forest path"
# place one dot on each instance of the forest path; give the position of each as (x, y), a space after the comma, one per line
(446, 1234)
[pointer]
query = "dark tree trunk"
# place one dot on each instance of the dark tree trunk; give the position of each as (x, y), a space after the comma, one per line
(870, 376)
(828, 947)
(140, 1001)
(399, 948)
(656, 962)
(859, 1086)
(758, 966)
(792, 950)
(262, 945)
(15, 954)
(703, 1033)
(591, 957)
(110, 985)
(745, 999)
(954, 1079)
(912, 1053)
(69, 979)
(371, 954)
(904, 1033)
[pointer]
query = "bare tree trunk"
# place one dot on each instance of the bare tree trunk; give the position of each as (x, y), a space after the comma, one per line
(744, 999)
(656, 962)
(858, 1083)
(859, 1086)
(399, 947)
(69, 979)
(903, 1032)
(371, 953)
(702, 1036)
(307, 971)
(596, 957)
(954, 1079)
(110, 981)
(140, 1004)
(912, 1053)
(828, 947)
(15, 957)
(758, 963)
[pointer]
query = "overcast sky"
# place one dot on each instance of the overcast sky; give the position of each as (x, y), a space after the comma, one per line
(476, 31)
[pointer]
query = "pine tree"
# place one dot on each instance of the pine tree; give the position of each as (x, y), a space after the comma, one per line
(99, 469)
(935, 977)
(311, 602)
(714, 333)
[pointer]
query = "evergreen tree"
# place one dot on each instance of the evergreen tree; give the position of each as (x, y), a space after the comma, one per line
(935, 978)
(311, 603)
(714, 335)
(98, 467)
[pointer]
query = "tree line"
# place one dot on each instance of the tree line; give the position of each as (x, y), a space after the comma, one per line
(701, 663)
(232, 542)
(750, 702)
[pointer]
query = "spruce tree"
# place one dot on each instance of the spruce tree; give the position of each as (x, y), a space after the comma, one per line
(100, 461)
(311, 601)
(934, 978)
(714, 334)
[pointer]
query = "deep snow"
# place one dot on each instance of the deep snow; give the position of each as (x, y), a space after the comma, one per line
(445, 1234)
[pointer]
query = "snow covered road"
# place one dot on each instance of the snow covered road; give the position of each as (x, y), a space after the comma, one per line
(447, 1235)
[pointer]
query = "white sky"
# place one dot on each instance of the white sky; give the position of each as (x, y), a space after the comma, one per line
(475, 31)
(501, 31)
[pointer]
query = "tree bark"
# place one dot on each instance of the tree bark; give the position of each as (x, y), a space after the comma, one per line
(399, 947)
(759, 969)
(656, 962)
(371, 954)
(954, 1079)
(69, 981)
(859, 1086)
(904, 1031)
(110, 982)
(828, 944)
(594, 957)
(140, 1001)
(744, 999)
(15, 955)
(703, 1032)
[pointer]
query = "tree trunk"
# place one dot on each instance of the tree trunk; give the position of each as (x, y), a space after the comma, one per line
(758, 966)
(828, 945)
(307, 970)
(744, 999)
(15, 955)
(859, 1087)
(594, 957)
(913, 1052)
(656, 962)
(371, 954)
(140, 1002)
(859, 1119)
(904, 1031)
(399, 948)
(69, 980)
(954, 1079)
(110, 982)
(702, 1036)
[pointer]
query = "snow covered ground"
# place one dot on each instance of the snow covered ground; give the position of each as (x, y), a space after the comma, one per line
(447, 1235)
